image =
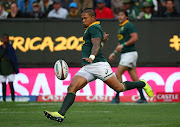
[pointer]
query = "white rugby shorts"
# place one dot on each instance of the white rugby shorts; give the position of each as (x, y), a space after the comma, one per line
(10, 78)
(129, 59)
(99, 70)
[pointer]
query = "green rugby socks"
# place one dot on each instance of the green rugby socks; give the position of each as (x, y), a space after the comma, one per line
(4, 91)
(141, 93)
(131, 85)
(12, 91)
(68, 101)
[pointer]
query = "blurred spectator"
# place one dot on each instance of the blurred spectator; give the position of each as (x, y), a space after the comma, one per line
(102, 11)
(82, 4)
(36, 12)
(15, 13)
(177, 5)
(155, 2)
(116, 5)
(163, 3)
(130, 8)
(73, 13)
(108, 3)
(169, 10)
(7, 4)
(46, 5)
(3, 13)
(65, 4)
(58, 11)
(161, 6)
(25, 6)
(139, 4)
(148, 11)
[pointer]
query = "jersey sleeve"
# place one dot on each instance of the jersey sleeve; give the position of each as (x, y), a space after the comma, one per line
(95, 32)
(131, 28)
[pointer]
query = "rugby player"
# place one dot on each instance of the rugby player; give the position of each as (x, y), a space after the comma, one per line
(94, 66)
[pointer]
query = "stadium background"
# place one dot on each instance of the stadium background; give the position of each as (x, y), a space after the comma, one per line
(39, 43)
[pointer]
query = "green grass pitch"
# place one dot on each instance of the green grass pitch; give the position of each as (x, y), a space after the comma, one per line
(18, 114)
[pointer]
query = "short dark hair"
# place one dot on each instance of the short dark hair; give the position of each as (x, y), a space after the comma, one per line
(170, 0)
(124, 11)
(14, 3)
(6, 35)
(90, 11)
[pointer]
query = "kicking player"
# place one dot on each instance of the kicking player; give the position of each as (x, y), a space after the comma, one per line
(94, 67)
(127, 37)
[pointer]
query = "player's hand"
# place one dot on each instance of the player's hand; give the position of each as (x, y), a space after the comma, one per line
(88, 60)
(105, 37)
(119, 48)
(112, 56)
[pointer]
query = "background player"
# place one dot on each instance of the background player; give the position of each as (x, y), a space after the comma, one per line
(94, 67)
(8, 65)
(127, 36)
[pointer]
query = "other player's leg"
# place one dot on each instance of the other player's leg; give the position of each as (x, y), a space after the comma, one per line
(12, 91)
(11, 78)
(4, 91)
(3, 81)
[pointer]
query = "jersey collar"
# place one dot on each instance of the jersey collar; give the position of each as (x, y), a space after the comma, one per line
(97, 22)
(122, 24)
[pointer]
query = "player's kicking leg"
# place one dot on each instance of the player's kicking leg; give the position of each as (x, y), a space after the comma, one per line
(120, 87)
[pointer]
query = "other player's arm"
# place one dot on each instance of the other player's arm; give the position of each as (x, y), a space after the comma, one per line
(132, 40)
(119, 47)
(113, 54)
(95, 49)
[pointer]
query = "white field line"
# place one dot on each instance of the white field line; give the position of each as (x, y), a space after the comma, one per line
(83, 104)
(8, 112)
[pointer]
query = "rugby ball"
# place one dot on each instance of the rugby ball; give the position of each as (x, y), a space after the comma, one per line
(61, 69)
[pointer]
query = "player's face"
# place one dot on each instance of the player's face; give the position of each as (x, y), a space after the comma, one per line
(87, 19)
(122, 17)
(5, 39)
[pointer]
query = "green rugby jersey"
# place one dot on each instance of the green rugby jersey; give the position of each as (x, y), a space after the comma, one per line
(94, 30)
(124, 32)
